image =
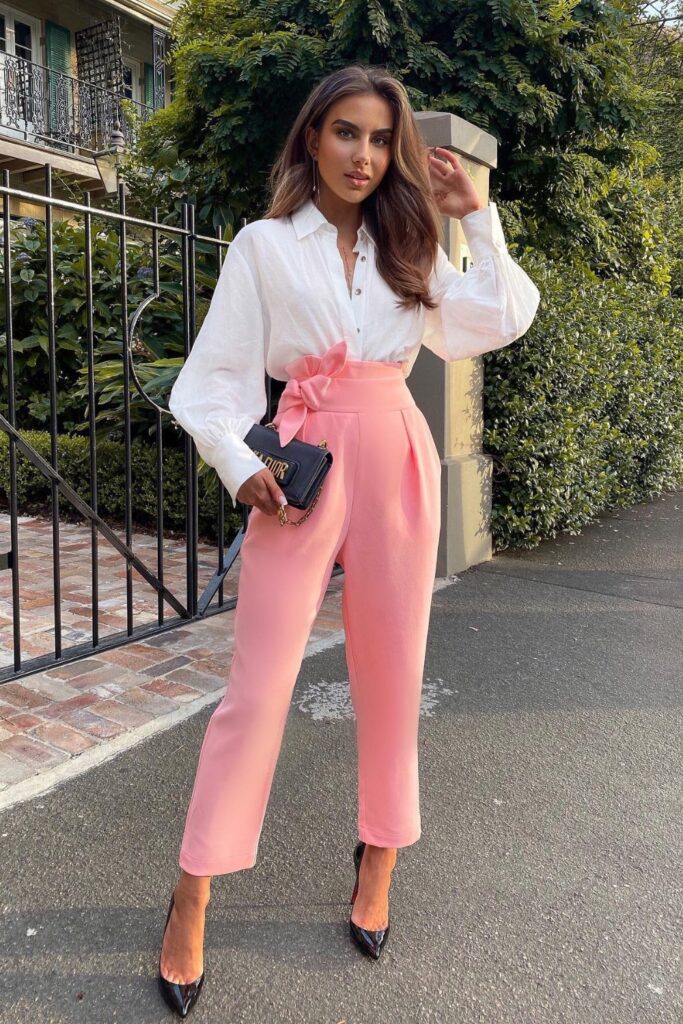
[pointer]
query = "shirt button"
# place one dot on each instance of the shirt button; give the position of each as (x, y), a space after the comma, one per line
(358, 330)
(357, 291)
(363, 259)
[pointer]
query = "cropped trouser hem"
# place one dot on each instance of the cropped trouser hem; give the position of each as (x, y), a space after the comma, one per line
(394, 841)
(195, 867)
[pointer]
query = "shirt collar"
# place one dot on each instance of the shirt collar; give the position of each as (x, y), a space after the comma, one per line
(309, 218)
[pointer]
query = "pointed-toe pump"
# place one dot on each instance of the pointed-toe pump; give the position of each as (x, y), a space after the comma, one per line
(180, 997)
(371, 942)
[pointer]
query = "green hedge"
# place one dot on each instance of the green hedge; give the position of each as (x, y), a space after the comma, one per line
(73, 461)
(582, 414)
(585, 412)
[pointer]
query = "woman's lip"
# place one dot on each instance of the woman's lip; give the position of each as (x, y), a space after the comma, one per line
(357, 177)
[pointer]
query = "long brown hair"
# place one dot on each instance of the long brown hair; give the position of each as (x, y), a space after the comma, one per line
(401, 213)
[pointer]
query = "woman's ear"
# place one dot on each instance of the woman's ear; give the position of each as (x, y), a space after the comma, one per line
(311, 139)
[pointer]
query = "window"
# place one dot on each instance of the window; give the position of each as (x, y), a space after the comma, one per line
(23, 44)
(131, 79)
(19, 35)
(20, 106)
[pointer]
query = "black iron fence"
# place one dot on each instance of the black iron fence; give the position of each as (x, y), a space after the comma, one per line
(183, 606)
(49, 108)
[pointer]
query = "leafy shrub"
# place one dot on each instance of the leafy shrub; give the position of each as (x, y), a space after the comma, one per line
(585, 411)
(582, 414)
(160, 331)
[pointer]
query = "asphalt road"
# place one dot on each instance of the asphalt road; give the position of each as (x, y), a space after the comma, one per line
(546, 887)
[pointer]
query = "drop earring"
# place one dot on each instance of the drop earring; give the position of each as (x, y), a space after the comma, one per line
(316, 184)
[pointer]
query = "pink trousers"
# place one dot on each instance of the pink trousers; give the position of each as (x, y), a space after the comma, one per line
(378, 515)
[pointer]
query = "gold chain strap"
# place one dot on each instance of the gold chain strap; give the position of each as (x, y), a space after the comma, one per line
(282, 511)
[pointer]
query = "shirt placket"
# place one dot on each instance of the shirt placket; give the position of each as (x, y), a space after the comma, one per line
(359, 287)
(353, 306)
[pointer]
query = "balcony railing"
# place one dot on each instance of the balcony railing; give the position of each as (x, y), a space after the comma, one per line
(54, 110)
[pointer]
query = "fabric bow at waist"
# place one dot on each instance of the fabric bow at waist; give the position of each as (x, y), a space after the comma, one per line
(310, 377)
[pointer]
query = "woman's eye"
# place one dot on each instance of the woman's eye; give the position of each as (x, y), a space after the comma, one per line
(347, 131)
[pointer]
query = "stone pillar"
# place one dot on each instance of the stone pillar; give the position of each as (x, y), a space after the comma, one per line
(450, 394)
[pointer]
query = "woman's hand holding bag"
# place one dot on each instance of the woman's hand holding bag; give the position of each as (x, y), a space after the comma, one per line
(261, 489)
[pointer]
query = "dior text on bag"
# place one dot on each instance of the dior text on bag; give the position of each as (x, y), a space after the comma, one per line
(299, 468)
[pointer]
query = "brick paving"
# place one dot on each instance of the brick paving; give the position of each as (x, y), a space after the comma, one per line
(36, 584)
(56, 715)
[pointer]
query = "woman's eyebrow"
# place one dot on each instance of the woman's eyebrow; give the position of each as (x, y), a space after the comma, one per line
(380, 131)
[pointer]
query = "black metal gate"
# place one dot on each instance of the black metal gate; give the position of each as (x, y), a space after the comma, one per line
(191, 604)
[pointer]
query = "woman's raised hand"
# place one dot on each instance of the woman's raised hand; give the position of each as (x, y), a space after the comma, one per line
(452, 186)
(261, 489)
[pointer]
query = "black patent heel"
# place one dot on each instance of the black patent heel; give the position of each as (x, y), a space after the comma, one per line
(370, 942)
(180, 997)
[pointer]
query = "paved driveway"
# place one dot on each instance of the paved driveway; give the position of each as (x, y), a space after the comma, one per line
(546, 886)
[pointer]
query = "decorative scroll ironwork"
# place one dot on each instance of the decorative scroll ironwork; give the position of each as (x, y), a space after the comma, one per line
(52, 109)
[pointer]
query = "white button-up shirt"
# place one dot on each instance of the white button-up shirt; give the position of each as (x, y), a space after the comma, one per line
(282, 294)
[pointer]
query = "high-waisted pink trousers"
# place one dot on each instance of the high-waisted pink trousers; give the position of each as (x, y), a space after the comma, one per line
(378, 515)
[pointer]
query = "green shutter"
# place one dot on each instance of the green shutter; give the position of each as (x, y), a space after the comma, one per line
(58, 46)
(149, 85)
(58, 43)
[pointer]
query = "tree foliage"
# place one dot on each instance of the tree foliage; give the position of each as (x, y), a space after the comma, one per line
(552, 80)
(656, 39)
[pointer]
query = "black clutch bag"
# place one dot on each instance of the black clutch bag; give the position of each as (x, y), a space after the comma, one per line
(299, 467)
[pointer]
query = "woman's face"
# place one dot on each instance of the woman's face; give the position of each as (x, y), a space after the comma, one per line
(355, 139)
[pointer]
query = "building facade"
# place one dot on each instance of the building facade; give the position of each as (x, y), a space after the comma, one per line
(65, 68)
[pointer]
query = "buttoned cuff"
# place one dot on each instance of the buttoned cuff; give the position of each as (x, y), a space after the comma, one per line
(484, 232)
(235, 462)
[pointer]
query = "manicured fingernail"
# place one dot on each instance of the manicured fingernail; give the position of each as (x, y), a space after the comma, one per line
(283, 500)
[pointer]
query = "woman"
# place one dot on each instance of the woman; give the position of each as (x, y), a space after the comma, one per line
(333, 291)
